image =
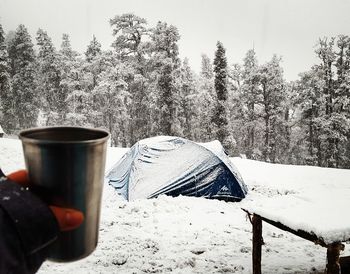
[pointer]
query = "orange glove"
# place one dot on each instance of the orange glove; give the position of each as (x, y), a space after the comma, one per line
(67, 218)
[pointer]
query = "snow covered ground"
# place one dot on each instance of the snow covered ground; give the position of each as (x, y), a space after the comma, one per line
(195, 235)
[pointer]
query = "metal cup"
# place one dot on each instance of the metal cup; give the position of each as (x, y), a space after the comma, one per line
(66, 168)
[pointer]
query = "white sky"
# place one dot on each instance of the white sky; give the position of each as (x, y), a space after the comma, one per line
(289, 28)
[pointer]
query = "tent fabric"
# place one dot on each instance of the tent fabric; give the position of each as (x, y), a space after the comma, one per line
(176, 166)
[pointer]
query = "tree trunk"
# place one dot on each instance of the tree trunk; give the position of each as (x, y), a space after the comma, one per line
(267, 137)
(311, 136)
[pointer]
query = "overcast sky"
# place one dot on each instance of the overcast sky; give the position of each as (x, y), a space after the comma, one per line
(289, 28)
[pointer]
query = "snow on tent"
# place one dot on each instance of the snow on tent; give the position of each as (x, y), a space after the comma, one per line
(175, 166)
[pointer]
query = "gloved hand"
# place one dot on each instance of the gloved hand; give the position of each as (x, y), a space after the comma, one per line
(68, 219)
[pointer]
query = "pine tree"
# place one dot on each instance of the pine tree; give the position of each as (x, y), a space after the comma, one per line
(206, 98)
(250, 98)
(72, 86)
(130, 32)
(327, 56)
(206, 67)
(310, 100)
(273, 96)
(340, 119)
(66, 48)
(286, 144)
(220, 112)
(112, 100)
(324, 104)
(93, 65)
(332, 125)
(25, 101)
(49, 80)
(4, 63)
(237, 109)
(188, 109)
(93, 49)
(6, 106)
(166, 61)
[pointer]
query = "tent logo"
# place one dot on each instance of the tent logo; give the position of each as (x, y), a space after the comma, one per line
(224, 190)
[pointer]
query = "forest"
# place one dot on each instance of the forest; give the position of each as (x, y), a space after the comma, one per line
(140, 87)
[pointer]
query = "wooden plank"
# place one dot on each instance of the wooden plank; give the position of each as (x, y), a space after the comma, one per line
(257, 243)
(333, 254)
(301, 233)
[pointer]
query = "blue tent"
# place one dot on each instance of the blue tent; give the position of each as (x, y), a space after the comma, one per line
(175, 166)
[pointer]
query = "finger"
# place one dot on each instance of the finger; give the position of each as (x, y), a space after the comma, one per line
(68, 219)
(20, 177)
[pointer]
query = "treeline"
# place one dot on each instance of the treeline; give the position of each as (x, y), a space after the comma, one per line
(141, 88)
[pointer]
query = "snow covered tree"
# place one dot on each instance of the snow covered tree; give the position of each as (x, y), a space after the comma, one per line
(141, 88)
(250, 98)
(335, 121)
(272, 88)
(4, 63)
(93, 64)
(205, 99)
(49, 80)
(6, 100)
(341, 121)
(219, 117)
(236, 108)
(73, 86)
(324, 104)
(310, 100)
(66, 48)
(128, 30)
(93, 49)
(78, 99)
(166, 62)
(188, 112)
(112, 100)
(206, 67)
(286, 144)
(327, 55)
(25, 102)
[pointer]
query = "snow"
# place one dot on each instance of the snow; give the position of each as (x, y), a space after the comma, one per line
(195, 235)
(312, 199)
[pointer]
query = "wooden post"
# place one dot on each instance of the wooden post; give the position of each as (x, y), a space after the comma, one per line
(333, 253)
(257, 243)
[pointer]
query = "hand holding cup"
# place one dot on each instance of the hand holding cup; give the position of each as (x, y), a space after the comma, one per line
(67, 218)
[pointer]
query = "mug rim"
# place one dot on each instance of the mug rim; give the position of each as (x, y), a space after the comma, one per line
(23, 135)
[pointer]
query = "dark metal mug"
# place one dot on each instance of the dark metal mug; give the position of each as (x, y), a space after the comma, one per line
(66, 166)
